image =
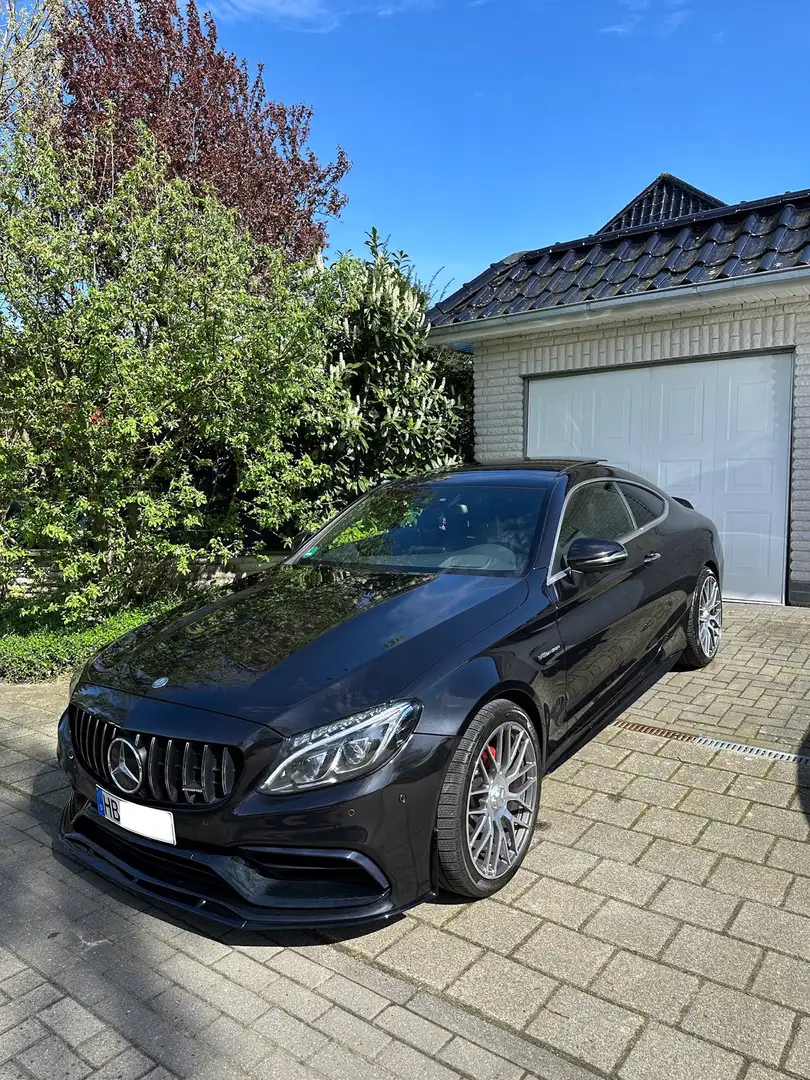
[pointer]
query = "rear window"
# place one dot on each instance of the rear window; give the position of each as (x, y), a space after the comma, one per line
(644, 504)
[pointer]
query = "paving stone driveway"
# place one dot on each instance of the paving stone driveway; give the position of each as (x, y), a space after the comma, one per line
(758, 694)
(660, 927)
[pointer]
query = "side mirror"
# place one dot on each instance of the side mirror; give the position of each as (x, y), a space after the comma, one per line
(591, 556)
(301, 538)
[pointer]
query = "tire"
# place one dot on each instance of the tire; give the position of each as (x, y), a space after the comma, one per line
(500, 727)
(701, 647)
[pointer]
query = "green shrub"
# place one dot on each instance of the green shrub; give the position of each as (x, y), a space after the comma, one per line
(405, 417)
(157, 363)
(27, 655)
(174, 392)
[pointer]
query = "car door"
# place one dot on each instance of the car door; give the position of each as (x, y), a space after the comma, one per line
(604, 618)
(665, 600)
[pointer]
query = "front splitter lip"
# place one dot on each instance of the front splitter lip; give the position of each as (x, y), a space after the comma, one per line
(228, 913)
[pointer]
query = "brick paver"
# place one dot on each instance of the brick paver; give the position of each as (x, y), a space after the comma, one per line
(660, 927)
(757, 693)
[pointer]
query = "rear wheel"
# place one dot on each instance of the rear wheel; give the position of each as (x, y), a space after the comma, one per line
(705, 623)
(488, 804)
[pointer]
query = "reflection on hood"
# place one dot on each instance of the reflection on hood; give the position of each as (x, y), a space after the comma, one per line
(297, 629)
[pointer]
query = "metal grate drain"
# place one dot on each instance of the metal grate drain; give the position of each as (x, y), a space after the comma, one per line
(715, 744)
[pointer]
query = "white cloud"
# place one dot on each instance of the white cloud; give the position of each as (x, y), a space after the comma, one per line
(625, 27)
(656, 16)
(313, 15)
(674, 20)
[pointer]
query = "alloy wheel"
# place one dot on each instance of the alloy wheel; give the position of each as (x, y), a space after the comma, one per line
(710, 616)
(501, 801)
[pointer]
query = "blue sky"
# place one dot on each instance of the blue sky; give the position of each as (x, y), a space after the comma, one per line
(481, 127)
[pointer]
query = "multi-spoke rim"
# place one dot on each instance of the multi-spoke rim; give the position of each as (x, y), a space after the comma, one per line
(501, 800)
(710, 616)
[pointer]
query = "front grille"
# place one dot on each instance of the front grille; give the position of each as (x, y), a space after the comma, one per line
(174, 770)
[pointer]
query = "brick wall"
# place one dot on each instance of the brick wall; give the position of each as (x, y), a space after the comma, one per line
(744, 328)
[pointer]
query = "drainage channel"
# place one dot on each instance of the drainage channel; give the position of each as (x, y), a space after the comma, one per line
(714, 744)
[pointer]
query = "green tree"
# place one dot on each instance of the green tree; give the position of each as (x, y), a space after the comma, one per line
(28, 71)
(156, 366)
(403, 417)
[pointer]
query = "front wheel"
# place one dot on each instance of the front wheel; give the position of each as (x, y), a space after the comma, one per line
(489, 799)
(705, 622)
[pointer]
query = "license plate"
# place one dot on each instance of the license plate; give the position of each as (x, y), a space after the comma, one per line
(143, 820)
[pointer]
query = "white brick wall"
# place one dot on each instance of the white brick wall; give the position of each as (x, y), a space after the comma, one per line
(747, 327)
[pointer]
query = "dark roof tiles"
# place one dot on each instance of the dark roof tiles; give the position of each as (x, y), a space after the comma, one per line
(715, 244)
(665, 199)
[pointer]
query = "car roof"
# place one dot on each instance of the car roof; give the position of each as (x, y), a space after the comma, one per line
(536, 472)
(550, 464)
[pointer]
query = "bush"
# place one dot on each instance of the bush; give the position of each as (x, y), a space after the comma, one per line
(173, 391)
(28, 655)
(157, 363)
(403, 417)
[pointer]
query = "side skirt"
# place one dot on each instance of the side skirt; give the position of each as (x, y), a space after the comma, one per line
(593, 726)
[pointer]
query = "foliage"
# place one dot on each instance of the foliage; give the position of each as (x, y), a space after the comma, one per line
(26, 61)
(162, 65)
(28, 654)
(156, 365)
(456, 370)
(376, 516)
(402, 418)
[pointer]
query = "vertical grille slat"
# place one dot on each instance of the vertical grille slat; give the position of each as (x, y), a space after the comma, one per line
(98, 734)
(88, 739)
(109, 735)
(175, 772)
(227, 772)
(153, 769)
(207, 774)
(170, 771)
(105, 772)
(190, 785)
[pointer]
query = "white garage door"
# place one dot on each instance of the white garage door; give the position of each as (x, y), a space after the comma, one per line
(716, 433)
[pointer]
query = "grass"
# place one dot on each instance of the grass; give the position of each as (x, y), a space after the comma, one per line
(29, 652)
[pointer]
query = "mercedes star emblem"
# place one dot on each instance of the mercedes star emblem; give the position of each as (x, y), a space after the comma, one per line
(126, 765)
(156, 685)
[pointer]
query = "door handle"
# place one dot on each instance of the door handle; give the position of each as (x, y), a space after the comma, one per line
(651, 557)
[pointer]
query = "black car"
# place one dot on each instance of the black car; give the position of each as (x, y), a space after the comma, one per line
(371, 720)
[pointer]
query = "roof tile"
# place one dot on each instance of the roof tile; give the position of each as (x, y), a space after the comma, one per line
(666, 198)
(717, 243)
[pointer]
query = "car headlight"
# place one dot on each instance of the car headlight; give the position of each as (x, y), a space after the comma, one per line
(342, 750)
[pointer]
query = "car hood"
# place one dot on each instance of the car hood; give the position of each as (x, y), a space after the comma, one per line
(339, 641)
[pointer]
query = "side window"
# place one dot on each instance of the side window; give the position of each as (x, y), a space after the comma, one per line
(596, 510)
(644, 504)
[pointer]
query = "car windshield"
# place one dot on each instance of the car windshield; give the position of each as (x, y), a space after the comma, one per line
(424, 526)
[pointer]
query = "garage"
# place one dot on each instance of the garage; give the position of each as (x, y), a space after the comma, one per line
(716, 433)
(674, 340)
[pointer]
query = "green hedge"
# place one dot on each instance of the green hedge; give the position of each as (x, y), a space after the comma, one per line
(30, 655)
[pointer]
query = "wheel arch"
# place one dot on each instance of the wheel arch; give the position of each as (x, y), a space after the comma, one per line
(519, 694)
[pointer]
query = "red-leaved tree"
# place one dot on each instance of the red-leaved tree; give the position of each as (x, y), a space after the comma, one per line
(163, 66)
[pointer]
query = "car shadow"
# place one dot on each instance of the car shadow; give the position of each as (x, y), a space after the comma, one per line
(803, 775)
(130, 961)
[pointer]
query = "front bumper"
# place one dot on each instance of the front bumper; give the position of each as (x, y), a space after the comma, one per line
(348, 855)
